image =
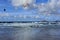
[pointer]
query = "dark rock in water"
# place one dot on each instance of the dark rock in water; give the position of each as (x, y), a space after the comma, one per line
(47, 32)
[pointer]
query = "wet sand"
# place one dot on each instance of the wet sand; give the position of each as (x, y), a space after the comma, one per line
(47, 32)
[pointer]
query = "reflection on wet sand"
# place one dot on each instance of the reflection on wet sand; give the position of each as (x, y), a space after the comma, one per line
(30, 32)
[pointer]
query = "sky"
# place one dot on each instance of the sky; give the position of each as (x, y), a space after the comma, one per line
(11, 5)
(9, 8)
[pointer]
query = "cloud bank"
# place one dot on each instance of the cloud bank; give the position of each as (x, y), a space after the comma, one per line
(49, 7)
(52, 6)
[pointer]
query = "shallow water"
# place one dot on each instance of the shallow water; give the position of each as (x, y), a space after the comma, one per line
(43, 32)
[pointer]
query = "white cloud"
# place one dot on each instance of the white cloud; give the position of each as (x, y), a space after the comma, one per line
(25, 8)
(17, 3)
(51, 7)
(54, 3)
(43, 7)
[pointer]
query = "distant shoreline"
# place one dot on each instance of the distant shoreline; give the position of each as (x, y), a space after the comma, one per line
(25, 21)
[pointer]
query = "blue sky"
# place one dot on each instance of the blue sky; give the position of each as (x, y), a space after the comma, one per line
(11, 10)
(6, 4)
